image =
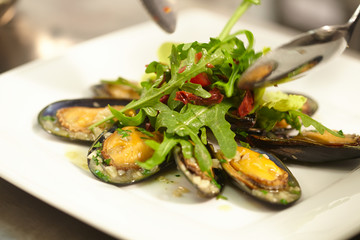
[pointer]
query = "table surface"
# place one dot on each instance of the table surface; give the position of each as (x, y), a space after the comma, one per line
(41, 29)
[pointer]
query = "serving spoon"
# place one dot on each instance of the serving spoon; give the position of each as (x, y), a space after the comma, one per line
(162, 12)
(292, 60)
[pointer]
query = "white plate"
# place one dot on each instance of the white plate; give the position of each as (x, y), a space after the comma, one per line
(43, 166)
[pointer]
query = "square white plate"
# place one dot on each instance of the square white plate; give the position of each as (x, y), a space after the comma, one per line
(44, 166)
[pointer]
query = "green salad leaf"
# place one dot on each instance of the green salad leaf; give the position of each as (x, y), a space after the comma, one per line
(282, 102)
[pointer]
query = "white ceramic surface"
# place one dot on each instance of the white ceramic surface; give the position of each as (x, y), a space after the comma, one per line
(44, 166)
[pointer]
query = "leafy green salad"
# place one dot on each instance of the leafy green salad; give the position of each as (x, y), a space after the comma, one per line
(194, 91)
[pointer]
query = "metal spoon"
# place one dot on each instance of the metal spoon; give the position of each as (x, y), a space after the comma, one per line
(162, 12)
(292, 60)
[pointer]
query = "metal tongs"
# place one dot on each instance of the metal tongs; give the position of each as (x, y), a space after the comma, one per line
(292, 60)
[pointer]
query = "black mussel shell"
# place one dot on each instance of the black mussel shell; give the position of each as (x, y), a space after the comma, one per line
(102, 168)
(205, 186)
(305, 150)
(285, 192)
(49, 122)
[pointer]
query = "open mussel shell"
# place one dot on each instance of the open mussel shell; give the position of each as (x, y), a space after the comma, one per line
(112, 90)
(308, 150)
(310, 106)
(114, 155)
(262, 176)
(206, 186)
(73, 124)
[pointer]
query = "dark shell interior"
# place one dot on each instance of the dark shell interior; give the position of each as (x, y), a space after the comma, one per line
(303, 150)
(205, 188)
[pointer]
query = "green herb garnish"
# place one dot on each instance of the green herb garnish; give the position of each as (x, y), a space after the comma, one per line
(102, 176)
(264, 191)
(49, 118)
(107, 161)
(97, 145)
(123, 133)
(95, 159)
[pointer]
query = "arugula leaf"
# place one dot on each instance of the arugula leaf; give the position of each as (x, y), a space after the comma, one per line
(191, 119)
(308, 121)
(203, 135)
(128, 121)
(161, 151)
(238, 13)
(186, 147)
(185, 124)
(195, 89)
(267, 118)
(154, 94)
(172, 103)
(144, 131)
(214, 118)
(158, 68)
(237, 60)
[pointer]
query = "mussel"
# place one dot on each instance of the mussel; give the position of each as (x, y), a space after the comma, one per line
(262, 176)
(310, 107)
(309, 146)
(114, 90)
(114, 155)
(70, 119)
(207, 184)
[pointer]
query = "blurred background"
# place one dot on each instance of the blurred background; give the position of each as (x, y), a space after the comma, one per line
(36, 29)
(33, 29)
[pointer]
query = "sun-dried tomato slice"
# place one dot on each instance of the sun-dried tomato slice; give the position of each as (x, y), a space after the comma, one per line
(186, 97)
(247, 104)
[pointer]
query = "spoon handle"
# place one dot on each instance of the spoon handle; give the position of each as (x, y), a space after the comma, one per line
(353, 22)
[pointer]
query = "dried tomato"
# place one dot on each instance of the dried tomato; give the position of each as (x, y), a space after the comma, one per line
(247, 104)
(164, 99)
(202, 79)
(186, 97)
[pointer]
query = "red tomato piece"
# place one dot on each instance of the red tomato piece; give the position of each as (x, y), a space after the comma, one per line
(186, 97)
(247, 104)
(164, 99)
(202, 79)
(198, 57)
